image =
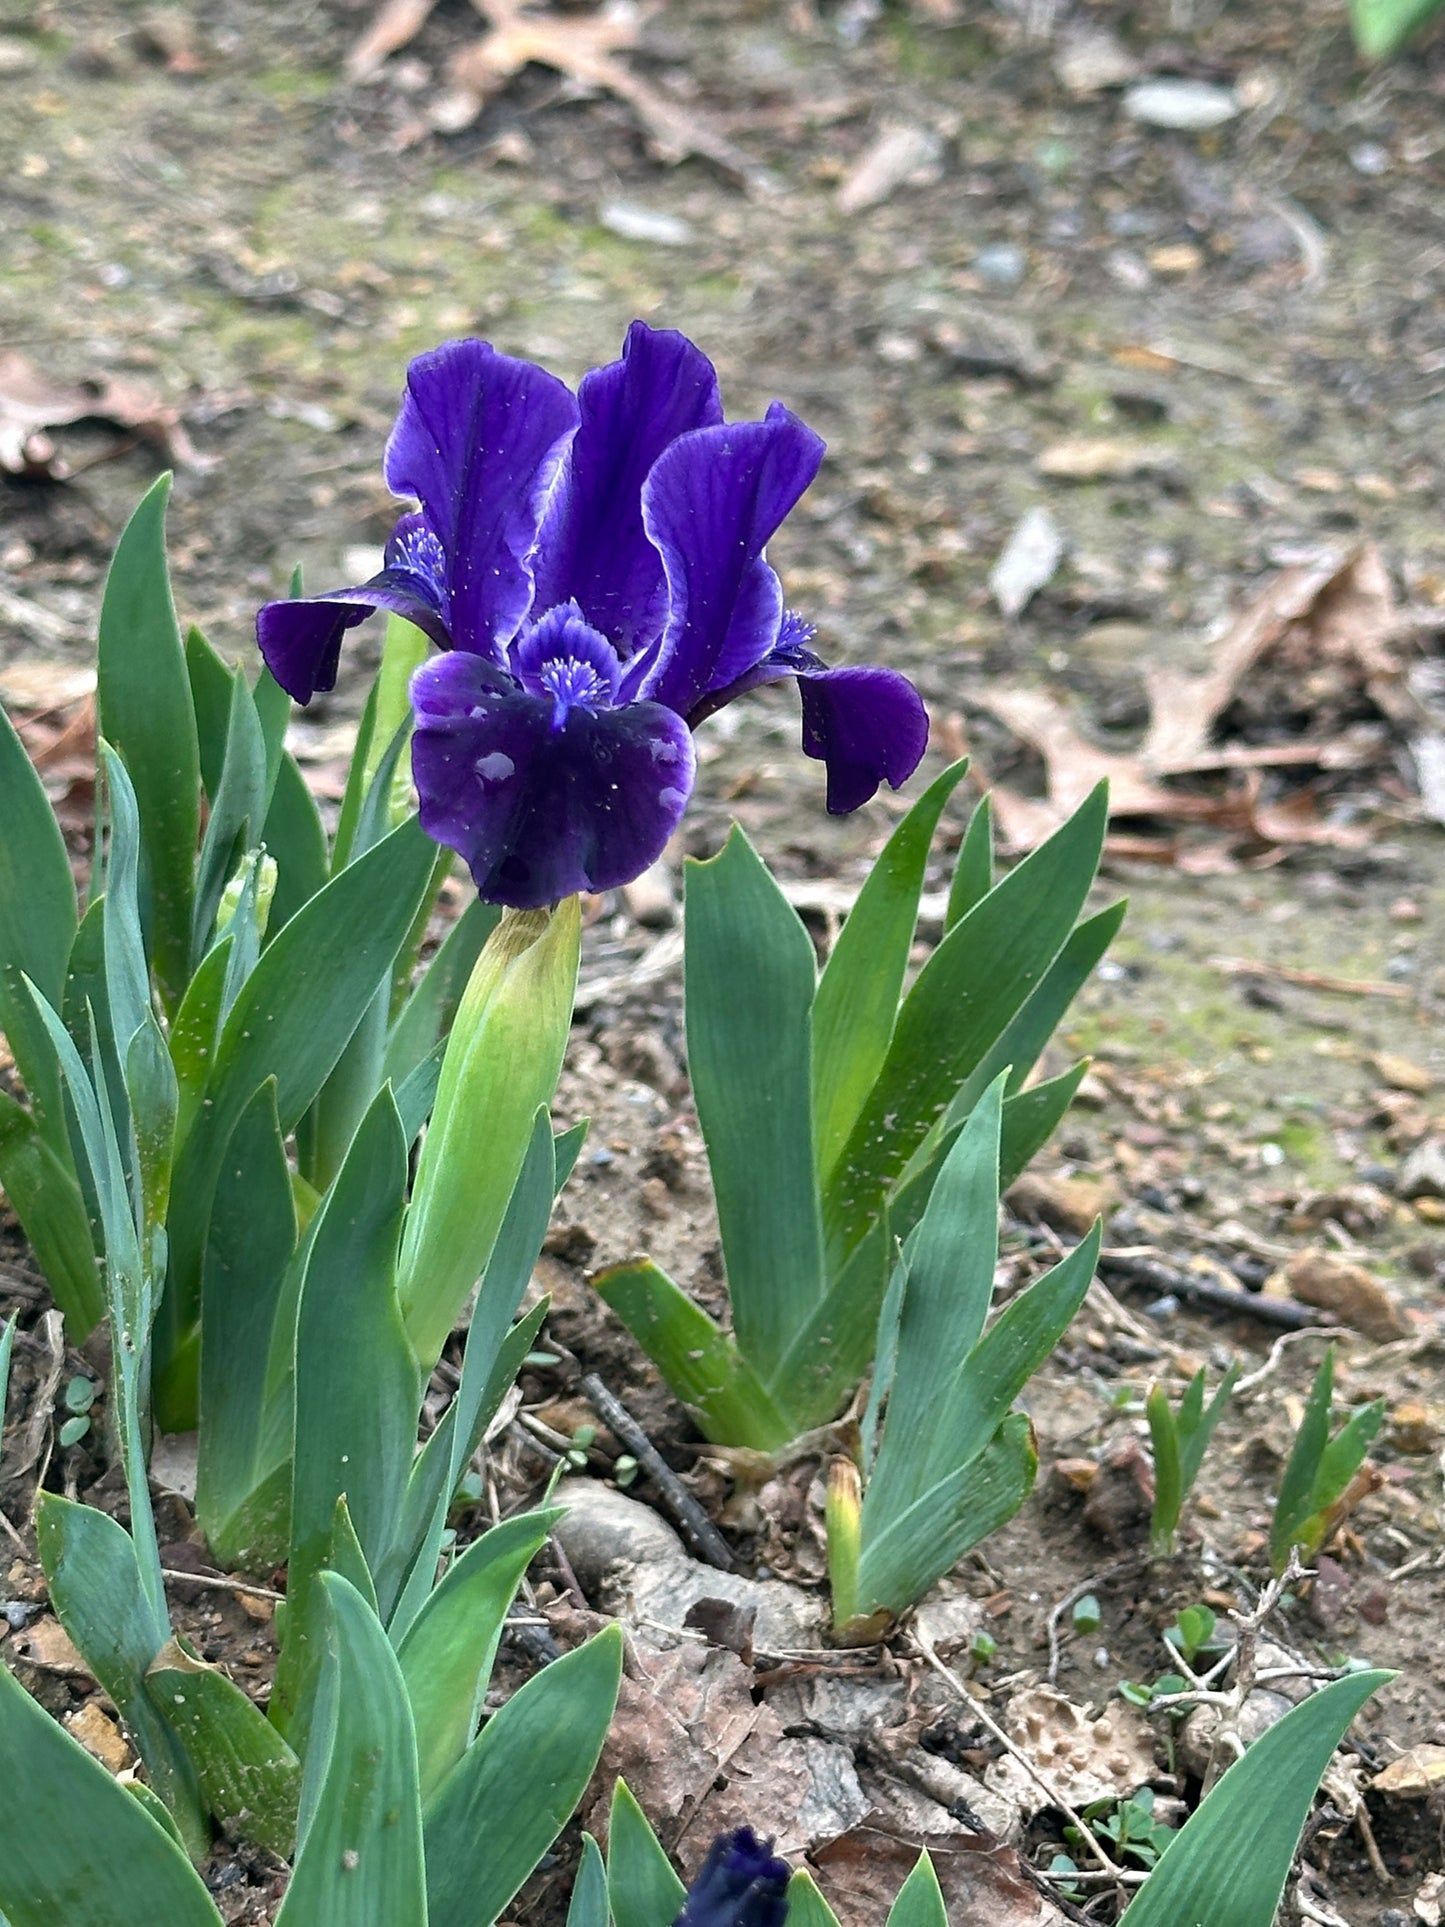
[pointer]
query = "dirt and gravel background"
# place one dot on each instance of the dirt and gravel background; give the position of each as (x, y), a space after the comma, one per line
(971, 247)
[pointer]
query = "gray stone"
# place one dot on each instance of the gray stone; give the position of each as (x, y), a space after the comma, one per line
(1422, 1175)
(636, 223)
(633, 1564)
(1184, 106)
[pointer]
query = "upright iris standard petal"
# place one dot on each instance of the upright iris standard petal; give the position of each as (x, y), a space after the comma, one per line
(593, 547)
(711, 504)
(742, 1883)
(539, 805)
(479, 442)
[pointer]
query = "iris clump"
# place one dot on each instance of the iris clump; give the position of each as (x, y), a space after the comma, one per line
(592, 569)
(742, 1883)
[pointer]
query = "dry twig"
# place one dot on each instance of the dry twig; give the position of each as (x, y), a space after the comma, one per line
(703, 1538)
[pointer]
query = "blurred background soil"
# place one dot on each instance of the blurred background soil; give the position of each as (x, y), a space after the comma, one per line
(971, 247)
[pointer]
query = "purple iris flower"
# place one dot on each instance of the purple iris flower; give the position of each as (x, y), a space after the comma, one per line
(742, 1883)
(592, 569)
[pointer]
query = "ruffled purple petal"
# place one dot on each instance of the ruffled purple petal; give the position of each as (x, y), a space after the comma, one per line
(538, 807)
(594, 549)
(479, 441)
(868, 725)
(300, 640)
(711, 503)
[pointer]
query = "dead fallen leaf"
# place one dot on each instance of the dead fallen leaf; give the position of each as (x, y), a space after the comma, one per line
(898, 154)
(1073, 766)
(1338, 609)
(395, 24)
(861, 1872)
(1100, 458)
(693, 1745)
(99, 1734)
(1415, 1775)
(1346, 1291)
(31, 402)
(1329, 631)
(583, 47)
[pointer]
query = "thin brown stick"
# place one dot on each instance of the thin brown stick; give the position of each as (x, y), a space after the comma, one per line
(1308, 979)
(703, 1538)
(1141, 1268)
(217, 1582)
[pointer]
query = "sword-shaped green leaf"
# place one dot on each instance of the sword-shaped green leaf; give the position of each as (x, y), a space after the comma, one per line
(144, 698)
(292, 1020)
(37, 928)
(96, 1588)
(700, 1362)
(357, 1386)
(920, 1899)
(360, 1862)
(750, 977)
(448, 1652)
(962, 1002)
(490, 1359)
(588, 1906)
(238, 809)
(67, 1830)
(806, 1906)
(1227, 1865)
(45, 1195)
(641, 1882)
(249, 1777)
(510, 1795)
(252, 1238)
(858, 992)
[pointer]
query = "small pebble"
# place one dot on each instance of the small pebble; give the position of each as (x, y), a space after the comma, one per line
(1184, 106)
(1001, 266)
(1369, 157)
(637, 223)
(1163, 1308)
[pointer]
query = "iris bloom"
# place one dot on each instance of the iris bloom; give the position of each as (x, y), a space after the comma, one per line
(741, 1884)
(592, 569)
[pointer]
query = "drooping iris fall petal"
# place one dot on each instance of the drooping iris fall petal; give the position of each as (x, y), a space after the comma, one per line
(541, 808)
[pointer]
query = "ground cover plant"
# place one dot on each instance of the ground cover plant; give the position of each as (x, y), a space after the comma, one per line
(355, 1240)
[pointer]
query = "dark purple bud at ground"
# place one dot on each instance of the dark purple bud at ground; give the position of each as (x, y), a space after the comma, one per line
(742, 1883)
